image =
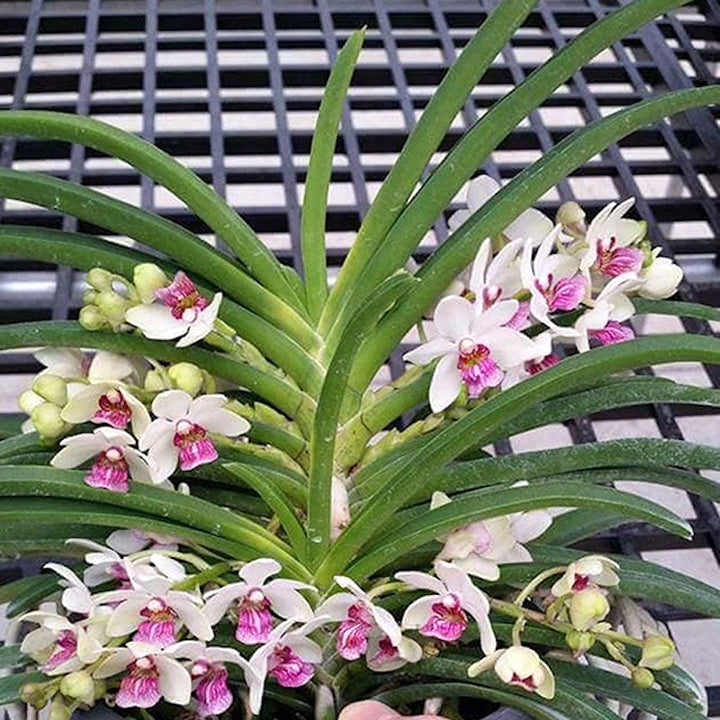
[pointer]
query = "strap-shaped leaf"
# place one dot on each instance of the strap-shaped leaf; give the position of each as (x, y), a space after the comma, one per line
(422, 142)
(596, 681)
(319, 171)
(493, 502)
(11, 685)
(576, 525)
(412, 474)
(166, 171)
(27, 592)
(644, 306)
(181, 246)
(10, 657)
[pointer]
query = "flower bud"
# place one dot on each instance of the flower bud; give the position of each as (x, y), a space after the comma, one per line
(89, 297)
(79, 686)
(35, 694)
(571, 216)
(587, 608)
(642, 678)
(58, 709)
(28, 401)
(47, 421)
(662, 278)
(154, 381)
(658, 653)
(99, 279)
(51, 388)
(186, 376)
(92, 318)
(147, 278)
(112, 305)
(579, 642)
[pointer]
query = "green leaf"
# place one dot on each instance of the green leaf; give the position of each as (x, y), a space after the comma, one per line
(281, 394)
(275, 501)
(322, 442)
(411, 474)
(493, 502)
(593, 680)
(176, 507)
(319, 172)
(423, 141)
(166, 171)
(576, 525)
(182, 247)
(20, 538)
(681, 309)
(27, 593)
(11, 685)
(21, 444)
(10, 657)
(502, 208)
(638, 578)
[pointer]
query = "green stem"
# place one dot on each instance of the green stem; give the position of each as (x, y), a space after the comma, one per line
(459, 250)
(166, 171)
(535, 583)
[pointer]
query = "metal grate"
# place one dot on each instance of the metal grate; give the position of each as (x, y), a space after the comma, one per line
(232, 88)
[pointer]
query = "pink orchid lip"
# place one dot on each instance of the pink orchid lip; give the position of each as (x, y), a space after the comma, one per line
(159, 626)
(580, 582)
(255, 622)
(352, 635)
(212, 692)
(110, 471)
(141, 686)
(448, 620)
(613, 261)
(385, 653)
(612, 333)
(65, 648)
(536, 366)
(288, 668)
(181, 296)
(524, 682)
(477, 369)
(113, 409)
(195, 447)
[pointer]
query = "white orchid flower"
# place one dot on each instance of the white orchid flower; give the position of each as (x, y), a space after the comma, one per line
(127, 542)
(661, 278)
(531, 223)
(181, 432)
(155, 612)
(289, 657)
(151, 675)
(443, 614)
(116, 461)
(475, 349)
(554, 281)
(519, 666)
(66, 363)
(179, 311)
(589, 571)
(383, 656)
(257, 600)
(62, 647)
(603, 320)
(610, 238)
(106, 399)
(358, 617)
(76, 598)
(480, 547)
(543, 359)
(209, 674)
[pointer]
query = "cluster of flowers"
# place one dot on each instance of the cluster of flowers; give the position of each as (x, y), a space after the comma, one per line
(151, 632)
(568, 282)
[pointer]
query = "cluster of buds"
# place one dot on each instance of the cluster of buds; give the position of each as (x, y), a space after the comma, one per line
(548, 284)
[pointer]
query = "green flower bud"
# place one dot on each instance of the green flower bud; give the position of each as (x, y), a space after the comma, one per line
(579, 641)
(89, 297)
(148, 278)
(571, 216)
(209, 385)
(28, 401)
(186, 376)
(642, 678)
(35, 694)
(154, 381)
(47, 421)
(51, 388)
(59, 710)
(658, 653)
(92, 318)
(79, 686)
(113, 306)
(99, 279)
(587, 608)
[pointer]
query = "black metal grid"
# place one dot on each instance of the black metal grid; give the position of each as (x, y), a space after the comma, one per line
(232, 87)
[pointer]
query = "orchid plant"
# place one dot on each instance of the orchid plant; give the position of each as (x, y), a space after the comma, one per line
(250, 529)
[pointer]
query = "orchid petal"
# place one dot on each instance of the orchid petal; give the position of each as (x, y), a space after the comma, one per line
(427, 352)
(480, 190)
(193, 618)
(495, 316)
(530, 224)
(156, 321)
(172, 404)
(453, 317)
(421, 580)
(174, 680)
(445, 384)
